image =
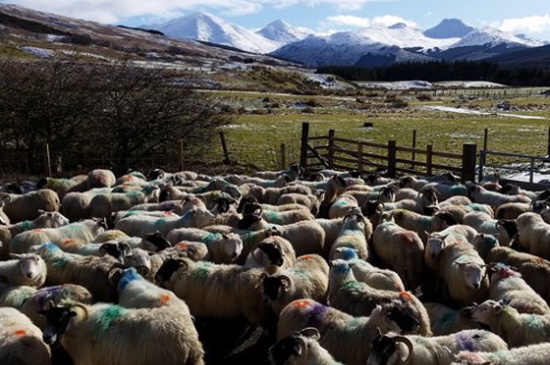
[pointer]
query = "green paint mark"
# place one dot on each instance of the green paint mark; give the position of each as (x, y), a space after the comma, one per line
(426, 223)
(209, 238)
(26, 225)
(109, 316)
(534, 321)
(203, 268)
(272, 217)
(353, 285)
(459, 190)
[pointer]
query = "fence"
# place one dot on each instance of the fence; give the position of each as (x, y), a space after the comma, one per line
(339, 153)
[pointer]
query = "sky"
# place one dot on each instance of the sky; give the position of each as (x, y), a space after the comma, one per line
(529, 17)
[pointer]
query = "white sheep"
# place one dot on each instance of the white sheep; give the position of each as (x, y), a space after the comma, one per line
(21, 341)
(300, 348)
(517, 329)
(357, 298)
(463, 272)
(419, 350)
(507, 284)
(72, 234)
(101, 178)
(140, 225)
(481, 195)
(113, 335)
(91, 272)
(25, 206)
(532, 355)
(346, 337)
(25, 269)
(307, 278)
(342, 205)
(383, 279)
(175, 206)
(445, 320)
(422, 224)
(222, 248)
(76, 205)
(353, 234)
(30, 301)
(44, 220)
(400, 250)
(216, 290)
(437, 241)
(534, 234)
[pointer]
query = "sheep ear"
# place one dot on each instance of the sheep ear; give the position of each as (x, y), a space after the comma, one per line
(497, 309)
(311, 332)
(15, 255)
(41, 211)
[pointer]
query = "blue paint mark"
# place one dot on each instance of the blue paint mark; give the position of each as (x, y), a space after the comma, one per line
(128, 276)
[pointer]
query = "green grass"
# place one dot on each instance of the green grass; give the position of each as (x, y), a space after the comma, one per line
(255, 139)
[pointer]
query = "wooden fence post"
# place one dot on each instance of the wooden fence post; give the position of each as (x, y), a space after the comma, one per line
(225, 152)
(331, 148)
(429, 158)
(303, 146)
(469, 162)
(283, 156)
(413, 154)
(392, 156)
(47, 160)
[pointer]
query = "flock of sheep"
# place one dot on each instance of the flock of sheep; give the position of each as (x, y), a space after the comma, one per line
(333, 269)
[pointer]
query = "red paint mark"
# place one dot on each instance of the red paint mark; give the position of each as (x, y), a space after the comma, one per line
(182, 245)
(128, 178)
(306, 257)
(167, 213)
(405, 296)
(68, 241)
(301, 303)
(164, 299)
(540, 259)
(407, 237)
(37, 230)
(20, 333)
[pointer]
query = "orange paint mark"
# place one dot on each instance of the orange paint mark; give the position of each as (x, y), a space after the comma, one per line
(306, 257)
(301, 303)
(68, 241)
(164, 299)
(128, 178)
(167, 212)
(405, 296)
(540, 259)
(182, 245)
(38, 230)
(20, 333)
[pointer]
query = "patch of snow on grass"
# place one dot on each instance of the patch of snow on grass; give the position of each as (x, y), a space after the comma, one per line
(38, 52)
(468, 111)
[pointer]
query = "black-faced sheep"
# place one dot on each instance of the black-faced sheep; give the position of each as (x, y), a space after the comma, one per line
(418, 350)
(113, 335)
(301, 347)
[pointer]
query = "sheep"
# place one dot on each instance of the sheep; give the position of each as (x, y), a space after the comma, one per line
(110, 334)
(116, 216)
(74, 233)
(534, 234)
(383, 279)
(342, 205)
(275, 217)
(103, 205)
(271, 195)
(445, 320)
(484, 244)
(4, 219)
(422, 224)
(463, 272)
(436, 241)
(346, 337)
(505, 230)
(532, 355)
(25, 207)
(269, 207)
(64, 186)
(447, 189)
(293, 172)
(311, 201)
(148, 265)
(305, 236)
(21, 341)
(216, 290)
(25, 269)
(301, 347)
(44, 220)
(392, 348)
(400, 250)
(30, 301)
(139, 226)
(517, 329)
(175, 206)
(508, 284)
(76, 205)
(91, 272)
(116, 249)
(479, 194)
(222, 248)
(512, 210)
(357, 298)
(534, 270)
(307, 278)
(136, 292)
(100, 178)
(273, 253)
(353, 234)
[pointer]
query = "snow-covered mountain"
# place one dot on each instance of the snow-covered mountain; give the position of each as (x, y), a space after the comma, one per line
(494, 37)
(449, 28)
(347, 48)
(283, 33)
(206, 27)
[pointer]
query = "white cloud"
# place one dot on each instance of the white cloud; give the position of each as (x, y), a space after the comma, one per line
(351, 21)
(531, 24)
(110, 11)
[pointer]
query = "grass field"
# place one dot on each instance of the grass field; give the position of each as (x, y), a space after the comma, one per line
(255, 137)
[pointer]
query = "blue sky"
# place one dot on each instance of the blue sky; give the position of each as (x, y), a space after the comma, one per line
(530, 17)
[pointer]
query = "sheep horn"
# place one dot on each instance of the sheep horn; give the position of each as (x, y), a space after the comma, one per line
(83, 307)
(407, 343)
(286, 280)
(311, 332)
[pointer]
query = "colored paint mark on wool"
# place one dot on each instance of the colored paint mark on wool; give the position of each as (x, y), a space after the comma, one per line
(315, 314)
(211, 237)
(534, 321)
(352, 285)
(127, 277)
(202, 270)
(109, 316)
(164, 299)
(446, 320)
(405, 296)
(26, 225)
(20, 333)
(273, 217)
(465, 342)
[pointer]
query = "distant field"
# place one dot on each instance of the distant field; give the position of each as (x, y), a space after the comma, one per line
(255, 139)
